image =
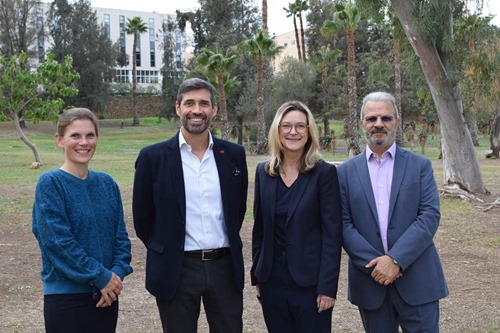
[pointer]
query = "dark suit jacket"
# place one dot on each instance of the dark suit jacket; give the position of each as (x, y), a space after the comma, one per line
(314, 229)
(413, 221)
(159, 209)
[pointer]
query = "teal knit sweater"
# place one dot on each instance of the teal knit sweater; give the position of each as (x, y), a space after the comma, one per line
(80, 230)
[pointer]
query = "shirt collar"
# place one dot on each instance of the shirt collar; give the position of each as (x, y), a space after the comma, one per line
(391, 152)
(183, 142)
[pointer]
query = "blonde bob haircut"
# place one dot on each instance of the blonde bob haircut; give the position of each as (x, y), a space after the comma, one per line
(311, 156)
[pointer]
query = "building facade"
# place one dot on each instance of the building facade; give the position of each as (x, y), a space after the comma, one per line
(289, 43)
(150, 45)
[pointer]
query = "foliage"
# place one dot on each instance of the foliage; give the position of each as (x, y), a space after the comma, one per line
(35, 94)
(18, 28)
(347, 17)
(75, 30)
(296, 80)
(260, 48)
(217, 65)
(222, 22)
(173, 71)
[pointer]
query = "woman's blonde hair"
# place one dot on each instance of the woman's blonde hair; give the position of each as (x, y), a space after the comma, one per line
(311, 156)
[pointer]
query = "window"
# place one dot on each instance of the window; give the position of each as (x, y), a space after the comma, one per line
(152, 54)
(121, 76)
(107, 25)
(145, 76)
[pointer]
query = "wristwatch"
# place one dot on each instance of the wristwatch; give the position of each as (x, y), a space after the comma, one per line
(396, 263)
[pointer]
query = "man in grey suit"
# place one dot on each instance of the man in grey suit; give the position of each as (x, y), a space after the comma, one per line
(390, 207)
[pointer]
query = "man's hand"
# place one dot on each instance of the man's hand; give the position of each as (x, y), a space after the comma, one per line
(110, 292)
(385, 271)
(324, 302)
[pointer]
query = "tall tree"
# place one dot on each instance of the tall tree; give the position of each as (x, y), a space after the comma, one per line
(322, 60)
(264, 16)
(292, 11)
(302, 6)
(346, 18)
(460, 162)
(76, 31)
(18, 27)
(477, 41)
(217, 65)
(36, 93)
(261, 47)
(135, 26)
(19, 31)
(173, 70)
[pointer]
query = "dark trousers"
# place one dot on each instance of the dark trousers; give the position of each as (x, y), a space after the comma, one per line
(76, 313)
(211, 282)
(396, 312)
(288, 307)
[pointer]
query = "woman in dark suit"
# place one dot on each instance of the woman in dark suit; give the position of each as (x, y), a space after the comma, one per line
(297, 235)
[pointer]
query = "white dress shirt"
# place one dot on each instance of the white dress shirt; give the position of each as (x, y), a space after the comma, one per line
(205, 227)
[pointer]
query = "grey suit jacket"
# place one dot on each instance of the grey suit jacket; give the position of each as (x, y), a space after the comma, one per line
(413, 221)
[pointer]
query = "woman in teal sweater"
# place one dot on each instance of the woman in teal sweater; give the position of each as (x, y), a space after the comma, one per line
(78, 222)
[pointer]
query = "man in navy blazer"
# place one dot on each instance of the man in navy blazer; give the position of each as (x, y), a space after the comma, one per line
(391, 213)
(189, 201)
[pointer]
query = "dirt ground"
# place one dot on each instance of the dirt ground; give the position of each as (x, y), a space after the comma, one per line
(468, 243)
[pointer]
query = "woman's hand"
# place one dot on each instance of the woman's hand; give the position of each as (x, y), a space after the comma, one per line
(110, 292)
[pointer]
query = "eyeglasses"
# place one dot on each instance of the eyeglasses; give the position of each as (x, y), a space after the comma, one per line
(373, 119)
(300, 128)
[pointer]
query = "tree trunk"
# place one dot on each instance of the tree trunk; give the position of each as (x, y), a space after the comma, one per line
(264, 16)
(297, 40)
(397, 89)
(495, 137)
(303, 39)
(135, 122)
(471, 122)
(239, 121)
(351, 122)
(261, 120)
(23, 137)
(324, 90)
(223, 108)
(460, 164)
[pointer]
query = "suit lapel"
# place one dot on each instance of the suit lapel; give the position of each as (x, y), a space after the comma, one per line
(400, 162)
(364, 176)
(299, 189)
(175, 166)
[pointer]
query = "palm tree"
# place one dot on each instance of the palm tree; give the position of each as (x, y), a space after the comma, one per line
(135, 26)
(301, 6)
(292, 11)
(397, 38)
(322, 60)
(216, 64)
(259, 48)
(264, 16)
(346, 18)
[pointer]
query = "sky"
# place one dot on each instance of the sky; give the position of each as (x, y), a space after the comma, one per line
(277, 21)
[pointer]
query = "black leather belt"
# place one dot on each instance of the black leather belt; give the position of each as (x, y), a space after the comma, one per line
(208, 254)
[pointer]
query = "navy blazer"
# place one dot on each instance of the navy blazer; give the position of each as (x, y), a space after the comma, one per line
(314, 229)
(159, 209)
(413, 221)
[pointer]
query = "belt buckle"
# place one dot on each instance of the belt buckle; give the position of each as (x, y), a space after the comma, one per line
(203, 252)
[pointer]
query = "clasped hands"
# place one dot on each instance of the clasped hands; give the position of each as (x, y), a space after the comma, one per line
(385, 271)
(110, 292)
